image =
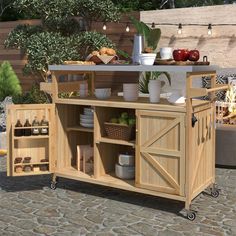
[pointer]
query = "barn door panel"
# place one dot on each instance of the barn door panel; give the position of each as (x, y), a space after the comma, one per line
(160, 163)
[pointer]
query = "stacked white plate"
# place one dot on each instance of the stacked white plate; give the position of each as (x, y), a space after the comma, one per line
(86, 119)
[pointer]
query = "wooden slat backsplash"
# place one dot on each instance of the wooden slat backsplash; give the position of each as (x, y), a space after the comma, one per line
(116, 32)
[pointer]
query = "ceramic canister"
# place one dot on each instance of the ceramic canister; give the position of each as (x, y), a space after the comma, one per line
(130, 92)
(137, 49)
(166, 53)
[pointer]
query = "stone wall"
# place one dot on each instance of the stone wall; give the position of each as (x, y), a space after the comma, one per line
(220, 47)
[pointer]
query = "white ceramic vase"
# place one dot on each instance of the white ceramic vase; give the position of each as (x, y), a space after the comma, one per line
(137, 49)
(154, 88)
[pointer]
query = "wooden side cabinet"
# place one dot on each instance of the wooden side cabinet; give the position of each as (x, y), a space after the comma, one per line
(30, 154)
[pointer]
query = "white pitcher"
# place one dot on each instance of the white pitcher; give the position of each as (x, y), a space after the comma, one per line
(154, 88)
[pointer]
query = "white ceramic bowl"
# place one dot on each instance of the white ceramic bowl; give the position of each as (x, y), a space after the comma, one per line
(86, 125)
(86, 121)
(89, 117)
(147, 58)
(126, 160)
(88, 110)
(125, 172)
(103, 93)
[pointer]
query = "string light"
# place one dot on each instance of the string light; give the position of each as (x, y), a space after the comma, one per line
(180, 29)
(104, 26)
(209, 32)
(127, 29)
(180, 26)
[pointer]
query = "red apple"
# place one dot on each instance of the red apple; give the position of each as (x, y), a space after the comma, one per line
(178, 55)
(185, 54)
(194, 55)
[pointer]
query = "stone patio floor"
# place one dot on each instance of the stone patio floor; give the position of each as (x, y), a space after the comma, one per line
(29, 207)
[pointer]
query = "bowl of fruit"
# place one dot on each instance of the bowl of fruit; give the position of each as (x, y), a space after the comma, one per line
(122, 127)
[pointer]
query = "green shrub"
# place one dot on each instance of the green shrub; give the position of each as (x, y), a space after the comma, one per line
(34, 96)
(60, 37)
(9, 82)
(18, 37)
(47, 48)
(91, 41)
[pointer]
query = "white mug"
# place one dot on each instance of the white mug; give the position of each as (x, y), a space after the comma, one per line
(166, 53)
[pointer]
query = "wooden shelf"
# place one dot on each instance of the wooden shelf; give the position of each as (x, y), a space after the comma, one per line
(116, 141)
(32, 173)
(32, 137)
(107, 180)
(112, 178)
(80, 128)
(31, 163)
(32, 127)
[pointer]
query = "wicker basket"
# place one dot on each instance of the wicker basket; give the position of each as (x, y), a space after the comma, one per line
(120, 131)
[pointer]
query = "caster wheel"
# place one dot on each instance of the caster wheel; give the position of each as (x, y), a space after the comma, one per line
(215, 193)
(53, 185)
(191, 215)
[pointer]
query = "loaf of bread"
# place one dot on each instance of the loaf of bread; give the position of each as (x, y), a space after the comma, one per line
(79, 63)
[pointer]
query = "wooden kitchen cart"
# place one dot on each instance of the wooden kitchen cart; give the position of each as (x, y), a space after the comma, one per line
(174, 145)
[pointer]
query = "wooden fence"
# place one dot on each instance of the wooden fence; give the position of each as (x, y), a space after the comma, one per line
(115, 31)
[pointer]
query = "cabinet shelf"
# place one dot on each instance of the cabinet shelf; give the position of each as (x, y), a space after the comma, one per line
(32, 173)
(31, 137)
(31, 163)
(80, 128)
(117, 141)
(32, 127)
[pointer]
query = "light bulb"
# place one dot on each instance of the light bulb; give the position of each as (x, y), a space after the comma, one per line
(180, 29)
(104, 26)
(209, 32)
(127, 29)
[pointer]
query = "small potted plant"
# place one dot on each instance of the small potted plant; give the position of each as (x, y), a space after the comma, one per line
(151, 38)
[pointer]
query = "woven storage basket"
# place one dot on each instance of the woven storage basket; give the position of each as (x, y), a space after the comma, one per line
(119, 131)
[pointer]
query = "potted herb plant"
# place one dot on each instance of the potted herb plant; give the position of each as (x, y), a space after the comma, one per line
(151, 38)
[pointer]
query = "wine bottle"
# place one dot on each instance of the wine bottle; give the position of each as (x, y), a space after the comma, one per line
(18, 132)
(35, 131)
(27, 132)
(44, 130)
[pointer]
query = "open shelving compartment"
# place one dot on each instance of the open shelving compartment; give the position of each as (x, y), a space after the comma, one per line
(71, 135)
(107, 157)
(36, 147)
(108, 149)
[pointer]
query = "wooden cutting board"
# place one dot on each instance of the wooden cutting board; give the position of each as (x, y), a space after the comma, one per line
(181, 63)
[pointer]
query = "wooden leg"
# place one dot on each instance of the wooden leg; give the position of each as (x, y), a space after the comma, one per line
(53, 184)
(191, 215)
(54, 178)
(187, 204)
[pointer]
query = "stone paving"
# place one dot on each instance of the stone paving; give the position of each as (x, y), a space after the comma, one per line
(29, 207)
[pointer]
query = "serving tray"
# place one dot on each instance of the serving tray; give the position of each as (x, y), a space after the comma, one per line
(181, 63)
